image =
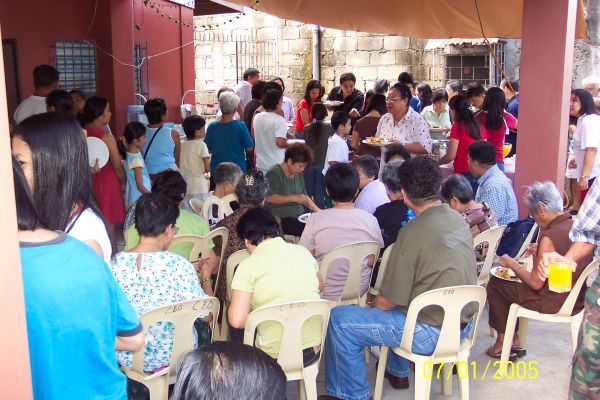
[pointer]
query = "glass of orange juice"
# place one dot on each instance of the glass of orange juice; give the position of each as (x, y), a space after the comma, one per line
(506, 148)
(560, 276)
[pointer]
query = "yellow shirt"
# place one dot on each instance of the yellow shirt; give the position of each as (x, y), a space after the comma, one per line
(279, 272)
(193, 153)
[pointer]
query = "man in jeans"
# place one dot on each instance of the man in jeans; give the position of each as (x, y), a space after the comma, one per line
(434, 250)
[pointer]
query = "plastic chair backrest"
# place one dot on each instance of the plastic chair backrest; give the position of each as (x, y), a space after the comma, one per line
(291, 316)
(452, 300)
(196, 205)
(382, 267)
(492, 238)
(527, 241)
(182, 315)
(355, 253)
(223, 208)
(567, 307)
(200, 245)
(232, 262)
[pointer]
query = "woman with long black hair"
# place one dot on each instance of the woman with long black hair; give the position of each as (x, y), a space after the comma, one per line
(110, 180)
(52, 152)
(465, 130)
(313, 94)
(495, 121)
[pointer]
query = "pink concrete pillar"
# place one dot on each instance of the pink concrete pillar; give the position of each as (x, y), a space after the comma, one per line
(15, 379)
(545, 77)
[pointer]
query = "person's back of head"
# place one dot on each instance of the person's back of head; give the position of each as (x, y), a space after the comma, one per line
(458, 186)
(420, 179)
(367, 165)
(319, 113)
(257, 225)
(377, 103)
(250, 73)
(252, 189)
(155, 110)
(510, 83)
(591, 84)
(93, 109)
(229, 371)
(483, 153)
(45, 77)
(227, 172)
(395, 151)
(341, 182)
(60, 101)
(339, 118)
(271, 99)
(192, 124)
(381, 86)
(390, 176)
(171, 184)
(154, 213)
(475, 89)
(228, 102)
(258, 89)
(406, 78)
(455, 85)
(494, 104)
(425, 93)
(463, 115)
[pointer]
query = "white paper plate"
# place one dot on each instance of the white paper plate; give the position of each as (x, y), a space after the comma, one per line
(494, 271)
(384, 143)
(292, 141)
(333, 103)
(97, 149)
(304, 217)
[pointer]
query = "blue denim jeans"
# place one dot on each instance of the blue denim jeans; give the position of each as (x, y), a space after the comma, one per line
(313, 179)
(353, 328)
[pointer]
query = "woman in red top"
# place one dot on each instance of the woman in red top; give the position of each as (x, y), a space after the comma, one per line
(495, 121)
(465, 130)
(111, 178)
(313, 93)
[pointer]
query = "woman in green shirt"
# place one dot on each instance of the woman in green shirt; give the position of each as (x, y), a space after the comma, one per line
(287, 197)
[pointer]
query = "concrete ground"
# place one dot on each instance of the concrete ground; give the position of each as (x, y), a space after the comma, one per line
(547, 344)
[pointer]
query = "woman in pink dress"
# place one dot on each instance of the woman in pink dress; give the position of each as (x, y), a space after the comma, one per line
(110, 179)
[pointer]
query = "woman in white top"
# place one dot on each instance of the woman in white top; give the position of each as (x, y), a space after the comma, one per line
(52, 152)
(586, 139)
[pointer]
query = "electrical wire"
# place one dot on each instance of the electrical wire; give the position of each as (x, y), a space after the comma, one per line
(93, 19)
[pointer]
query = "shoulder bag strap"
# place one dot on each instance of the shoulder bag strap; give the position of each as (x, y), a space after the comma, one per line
(151, 141)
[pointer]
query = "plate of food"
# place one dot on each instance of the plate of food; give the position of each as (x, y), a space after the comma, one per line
(504, 274)
(304, 217)
(333, 103)
(376, 141)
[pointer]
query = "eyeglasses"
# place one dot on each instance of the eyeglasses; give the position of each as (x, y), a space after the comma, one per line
(392, 99)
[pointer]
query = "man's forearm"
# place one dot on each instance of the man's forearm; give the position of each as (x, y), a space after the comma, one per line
(578, 250)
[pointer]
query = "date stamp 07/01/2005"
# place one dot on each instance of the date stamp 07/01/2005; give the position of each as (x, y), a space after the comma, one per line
(520, 370)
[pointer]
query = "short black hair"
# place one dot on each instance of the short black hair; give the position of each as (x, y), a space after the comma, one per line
(376, 102)
(271, 98)
(154, 212)
(155, 109)
(27, 216)
(367, 164)
(483, 152)
(403, 90)
(475, 89)
(299, 153)
(341, 182)
(439, 94)
(256, 225)
(339, 118)
(458, 186)
(455, 85)
(134, 130)
(406, 78)
(171, 184)
(277, 78)
(347, 76)
(61, 101)
(394, 150)
(257, 89)
(45, 76)
(228, 370)
(586, 100)
(191, 124)
(250, 73)
(421, 179)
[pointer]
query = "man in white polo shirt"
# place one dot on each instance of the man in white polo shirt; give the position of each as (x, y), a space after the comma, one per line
(270, 132)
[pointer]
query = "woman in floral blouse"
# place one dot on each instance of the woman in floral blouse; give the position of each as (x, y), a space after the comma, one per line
(152, 277)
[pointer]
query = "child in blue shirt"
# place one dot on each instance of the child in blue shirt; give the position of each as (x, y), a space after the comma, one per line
(138, 180)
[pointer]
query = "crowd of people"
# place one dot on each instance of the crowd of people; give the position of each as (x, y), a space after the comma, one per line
(261, 166)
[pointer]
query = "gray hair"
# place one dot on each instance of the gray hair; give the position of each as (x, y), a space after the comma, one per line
(545, 194)
(390, 177)
(252, 189)
(228, 102)
(227, 172)
(591, 80)
(368, 166)
(458, 186)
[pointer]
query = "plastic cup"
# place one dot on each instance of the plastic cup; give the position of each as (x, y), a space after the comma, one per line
(560, 276)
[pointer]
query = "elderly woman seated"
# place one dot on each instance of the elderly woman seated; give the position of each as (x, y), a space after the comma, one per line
(152, 277)
(263, 279)
(343, 224)
(546, 207)
(222, 201)
(372, 191)
(287, 197)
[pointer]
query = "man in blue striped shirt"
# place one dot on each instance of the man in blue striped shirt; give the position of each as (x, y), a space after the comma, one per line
(495, 189)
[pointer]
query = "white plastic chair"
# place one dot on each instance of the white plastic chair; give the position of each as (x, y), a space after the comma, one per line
(528, 240)
(355, 253)
(196, 205)
(223, 208)
(292, 316)
(563, 315)
(182, 315)
(492, 238)
(450, 349)
(232, 262)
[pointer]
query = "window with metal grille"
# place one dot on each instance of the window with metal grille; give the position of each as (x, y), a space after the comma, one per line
(468, 68)
(76, 62)
(141, 74)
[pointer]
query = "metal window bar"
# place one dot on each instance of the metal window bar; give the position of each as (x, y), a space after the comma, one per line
(469, 68)
(141, 76)
(498, 49)
(76, 62)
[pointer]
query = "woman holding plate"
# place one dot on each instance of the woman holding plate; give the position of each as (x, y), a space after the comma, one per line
(546, 207)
